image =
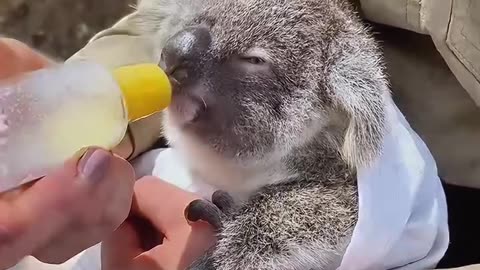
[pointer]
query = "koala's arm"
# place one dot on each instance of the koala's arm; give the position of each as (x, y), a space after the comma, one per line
(294, 225)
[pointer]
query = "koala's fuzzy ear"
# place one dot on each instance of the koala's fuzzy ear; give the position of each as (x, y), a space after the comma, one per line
(357, 85)
(362, 92)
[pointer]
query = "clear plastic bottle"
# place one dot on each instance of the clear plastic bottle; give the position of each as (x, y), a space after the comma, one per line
(46, 116)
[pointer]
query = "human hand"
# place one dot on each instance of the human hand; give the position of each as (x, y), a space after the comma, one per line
(182, 242)
(69, 210)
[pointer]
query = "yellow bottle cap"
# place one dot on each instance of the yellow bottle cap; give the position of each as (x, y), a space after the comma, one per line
(146, 89)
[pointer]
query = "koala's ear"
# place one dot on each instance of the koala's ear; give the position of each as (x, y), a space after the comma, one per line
(357, 84)
(364, 101)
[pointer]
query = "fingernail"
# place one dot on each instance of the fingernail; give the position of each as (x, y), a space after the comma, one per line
(94, 164)
(79, 154)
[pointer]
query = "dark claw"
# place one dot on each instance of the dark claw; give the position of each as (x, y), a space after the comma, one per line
(206, 211)
(222, 200)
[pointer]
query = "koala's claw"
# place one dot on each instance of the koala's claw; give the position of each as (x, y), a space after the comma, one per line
(206, 211)
(222, 200)
(212, 212)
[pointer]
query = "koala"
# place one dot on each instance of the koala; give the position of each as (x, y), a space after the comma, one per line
(276, 103)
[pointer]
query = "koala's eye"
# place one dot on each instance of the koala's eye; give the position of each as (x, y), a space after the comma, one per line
(254, 60)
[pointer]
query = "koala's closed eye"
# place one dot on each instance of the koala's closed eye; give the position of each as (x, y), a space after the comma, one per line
(255, 60)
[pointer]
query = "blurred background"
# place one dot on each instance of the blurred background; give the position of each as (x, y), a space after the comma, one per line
(59, 27)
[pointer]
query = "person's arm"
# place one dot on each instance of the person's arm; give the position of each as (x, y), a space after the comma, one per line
(453, 27)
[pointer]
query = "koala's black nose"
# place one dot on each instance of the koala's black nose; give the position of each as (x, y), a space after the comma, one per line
(182, 55)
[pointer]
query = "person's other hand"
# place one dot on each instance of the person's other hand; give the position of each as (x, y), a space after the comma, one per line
(69, 210)
(163, 205)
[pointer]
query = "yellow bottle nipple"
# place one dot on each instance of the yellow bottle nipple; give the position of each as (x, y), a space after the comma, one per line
(146, 89)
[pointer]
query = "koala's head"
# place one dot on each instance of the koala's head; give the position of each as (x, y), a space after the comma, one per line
(255, 79)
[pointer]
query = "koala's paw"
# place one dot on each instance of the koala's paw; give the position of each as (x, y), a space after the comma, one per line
(213, 212)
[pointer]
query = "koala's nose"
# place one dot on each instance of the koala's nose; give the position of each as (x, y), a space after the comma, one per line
(183, 53)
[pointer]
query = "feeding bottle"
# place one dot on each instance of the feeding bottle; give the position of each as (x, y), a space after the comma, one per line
(46, 116)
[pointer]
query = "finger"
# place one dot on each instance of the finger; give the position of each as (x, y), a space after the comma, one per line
(45, 209)
(121, 248)
(20, 58)
(111, 198)
(125, 148)
(101, 210)
(162, 203)
(183, 250)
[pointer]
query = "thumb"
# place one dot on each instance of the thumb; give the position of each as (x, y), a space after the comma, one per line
(36, 208)
(33, 217)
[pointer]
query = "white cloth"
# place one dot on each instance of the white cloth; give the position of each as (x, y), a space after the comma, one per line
(403, 221)
(402, 207)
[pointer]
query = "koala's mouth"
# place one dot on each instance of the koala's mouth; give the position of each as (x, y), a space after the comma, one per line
(187, 105)
(186, 109)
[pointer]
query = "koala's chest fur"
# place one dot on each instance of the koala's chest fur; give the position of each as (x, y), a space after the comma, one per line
(304, 219)
(305, 207)
(240, 181)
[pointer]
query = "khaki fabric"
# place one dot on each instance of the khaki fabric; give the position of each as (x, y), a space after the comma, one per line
(120, 45)
(435, 104)
(434, 68)
(454, 26)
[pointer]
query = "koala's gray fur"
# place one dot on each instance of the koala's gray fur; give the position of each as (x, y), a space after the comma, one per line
(284, 138)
